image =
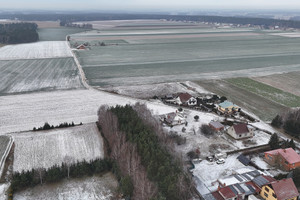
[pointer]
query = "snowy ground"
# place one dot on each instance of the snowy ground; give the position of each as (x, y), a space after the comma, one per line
(259, 161)
(48, 148)
(3, 188)
(23, 112)
(219, 142)
(209, 173)
(160, 89)
(88, 188)
(51, 49)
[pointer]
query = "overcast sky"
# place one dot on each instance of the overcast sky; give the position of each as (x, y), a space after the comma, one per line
(149, 4)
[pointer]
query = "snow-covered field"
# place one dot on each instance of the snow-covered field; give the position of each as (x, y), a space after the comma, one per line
(160, 89)
(38, 74)
(288, 34)
(88, 188)
(44, 149)
(49, 49)
(23, 112)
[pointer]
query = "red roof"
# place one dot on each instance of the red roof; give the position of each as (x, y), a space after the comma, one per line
(184, 97)
(217, 195)
(285, 189)
(241, 128)
(290, 155)
(227, 193)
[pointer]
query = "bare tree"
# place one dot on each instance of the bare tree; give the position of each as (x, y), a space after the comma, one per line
(68, 161)
(41, 172)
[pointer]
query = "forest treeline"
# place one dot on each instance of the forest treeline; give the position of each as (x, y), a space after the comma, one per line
(289, 121)
(265, 22)
(14, 33)
(25, 179)
(143, 153)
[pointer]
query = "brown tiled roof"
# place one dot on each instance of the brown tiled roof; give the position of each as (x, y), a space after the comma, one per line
(217, 195)
(227, 193)
(241, 128)
(184, 97)
(285, 189)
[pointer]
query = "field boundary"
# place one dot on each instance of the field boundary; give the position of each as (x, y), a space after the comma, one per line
(81, 72)
(2, 161)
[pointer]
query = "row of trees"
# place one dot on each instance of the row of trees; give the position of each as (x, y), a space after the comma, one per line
(47, 126)
(275, 143)
(70, 24)
(198, 18)
(34, 177)
(289, 121)
(133, 133)
(18, 33)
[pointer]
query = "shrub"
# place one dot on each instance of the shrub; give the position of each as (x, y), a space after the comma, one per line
(206, 130)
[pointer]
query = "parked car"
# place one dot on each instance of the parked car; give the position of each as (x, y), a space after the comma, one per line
(220, 161)
(196, 160)
(209, 158)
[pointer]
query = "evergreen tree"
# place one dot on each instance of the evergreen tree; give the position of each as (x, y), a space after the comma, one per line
(274, 141)
(277, 121)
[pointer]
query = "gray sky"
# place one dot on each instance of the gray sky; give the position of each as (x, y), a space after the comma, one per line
(150, 4)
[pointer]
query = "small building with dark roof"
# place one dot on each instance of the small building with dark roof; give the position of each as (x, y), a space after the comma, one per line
(240, 131)
(215, 125)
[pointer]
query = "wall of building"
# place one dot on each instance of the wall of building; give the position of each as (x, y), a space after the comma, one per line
(267, 193)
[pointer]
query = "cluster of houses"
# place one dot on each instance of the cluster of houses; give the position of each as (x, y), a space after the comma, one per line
(207, 103)
(255, 185)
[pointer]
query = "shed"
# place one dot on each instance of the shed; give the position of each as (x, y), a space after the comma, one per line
(217, 126)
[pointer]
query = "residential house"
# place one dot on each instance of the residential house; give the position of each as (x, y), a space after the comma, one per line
(233, 192)
(239, 178)
(81, 47)
(287, 159)
(186, 99)
(284, 189)
(240, 131)
(217, 126)
(173, 118)
(228, 107)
